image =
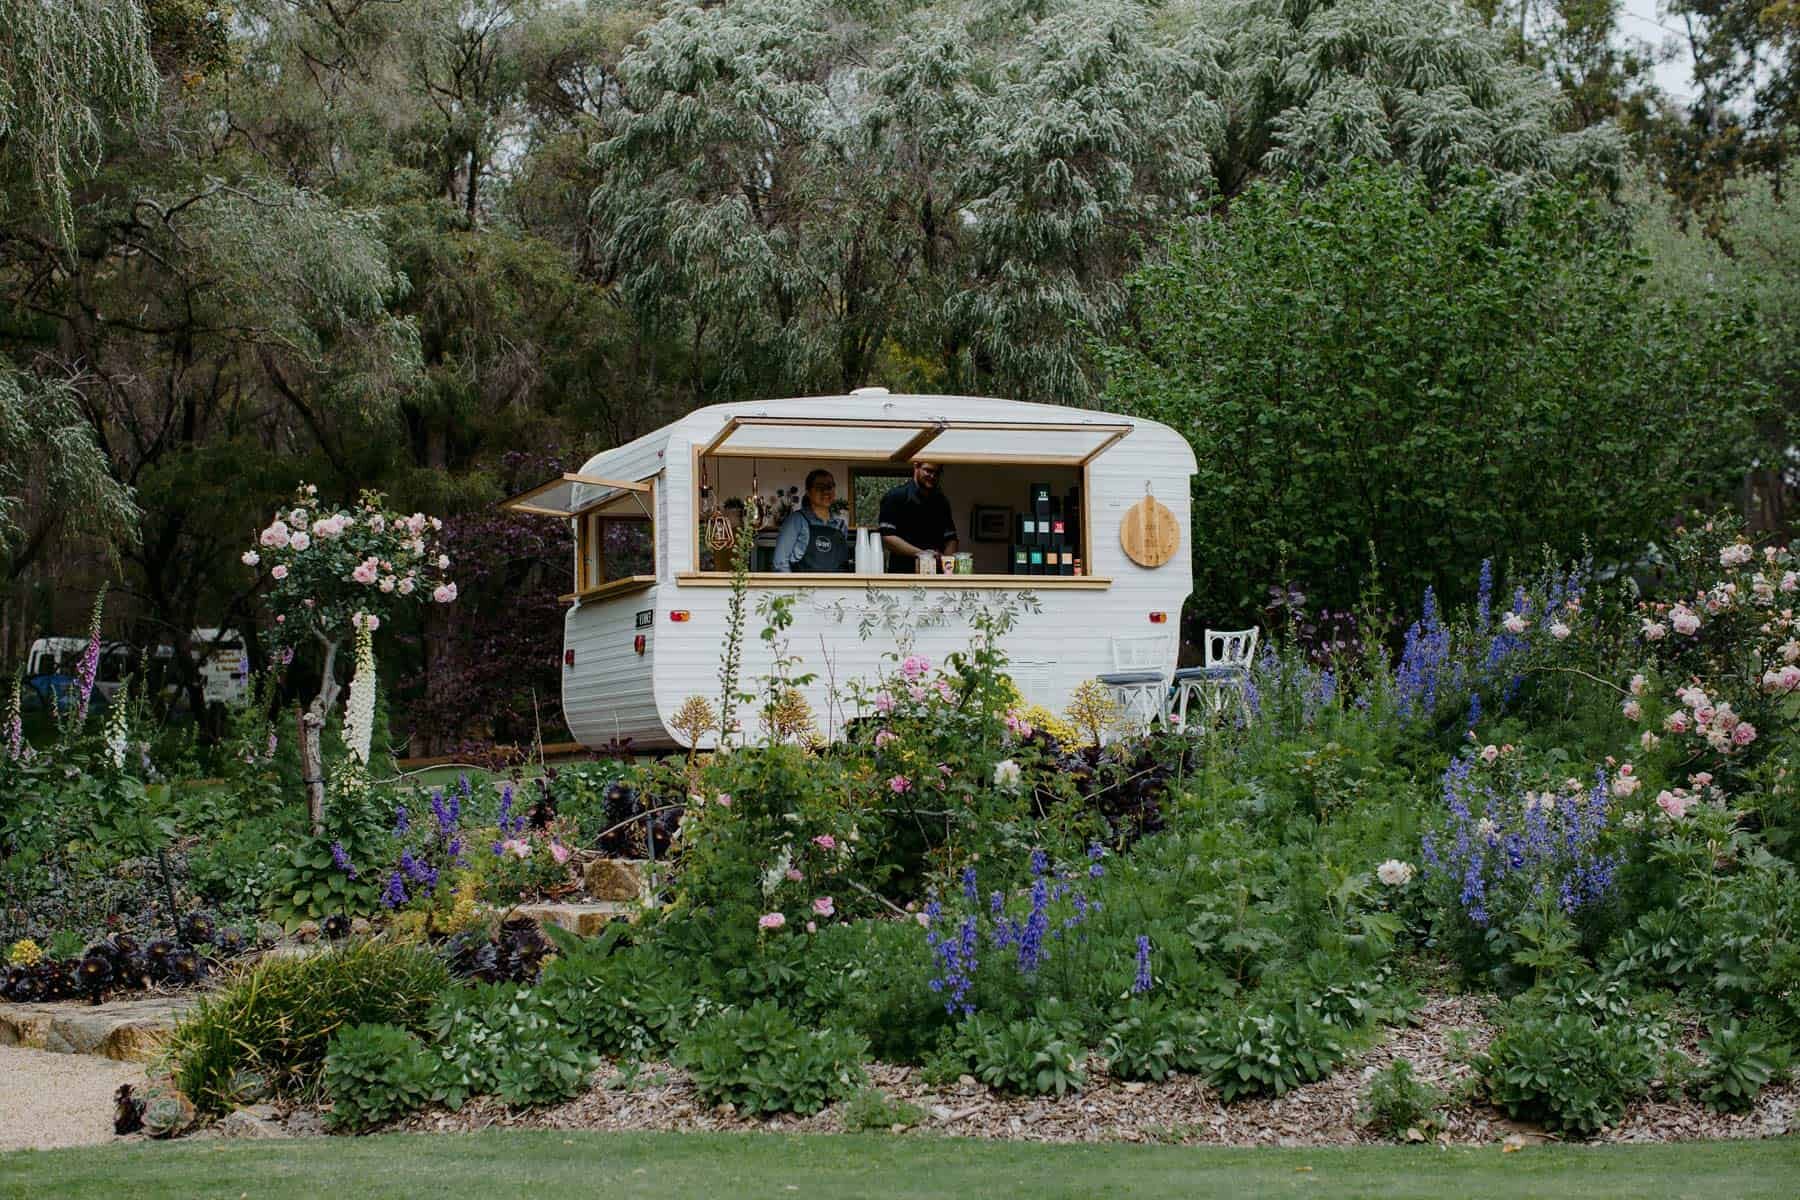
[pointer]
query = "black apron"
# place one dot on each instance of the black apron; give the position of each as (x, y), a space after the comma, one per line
(827, 549)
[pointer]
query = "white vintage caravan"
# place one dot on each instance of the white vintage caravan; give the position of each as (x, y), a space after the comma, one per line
(647, 622)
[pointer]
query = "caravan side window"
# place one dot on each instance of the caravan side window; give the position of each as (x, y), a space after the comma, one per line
(614, 546)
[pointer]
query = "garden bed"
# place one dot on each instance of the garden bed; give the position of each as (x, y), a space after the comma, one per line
(1181, 1110)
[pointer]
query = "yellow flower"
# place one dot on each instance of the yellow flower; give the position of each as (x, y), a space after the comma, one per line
(24, 953)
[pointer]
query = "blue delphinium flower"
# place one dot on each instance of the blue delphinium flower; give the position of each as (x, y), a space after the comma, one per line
(970, 893)
(400, 824)
(1143, 981)
(341, 860)
(1424, 657)
(1096, 852)
(395, 895)
(440, 811)
(1474, 710)
(1484, 593)
(1040, 862)
(1037, 924)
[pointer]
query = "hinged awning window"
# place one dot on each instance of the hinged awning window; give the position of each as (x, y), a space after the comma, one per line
(1062, 443)
(571, 495)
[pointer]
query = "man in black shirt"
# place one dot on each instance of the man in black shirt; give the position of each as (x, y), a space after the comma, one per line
(915, 516)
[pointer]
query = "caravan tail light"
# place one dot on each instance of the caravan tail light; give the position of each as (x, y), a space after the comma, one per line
(1158, 618)
(637, 643)
(678, 614)
(568, 658)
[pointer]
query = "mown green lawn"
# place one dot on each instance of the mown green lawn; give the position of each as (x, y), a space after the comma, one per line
(628, 1166)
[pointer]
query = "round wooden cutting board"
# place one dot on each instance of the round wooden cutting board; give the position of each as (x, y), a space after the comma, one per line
(1149, 533)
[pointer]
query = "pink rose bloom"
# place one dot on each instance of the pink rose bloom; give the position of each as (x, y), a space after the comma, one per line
(367, 571)
(279, 571)
(944, 770)
(1649, 741)
(824, 907)
(1703, 715)
(1674, 806)
(405, 586)
(517, 848)
(275, 536)
(917, 692)
(1559, 631)
(387, 583)
(884, 703)
(885, 736)
(1701, 779)
(1489, 753)
(443, 562)
(251, 558)
(1788, 677)
(794, 875)
(1676, 722)
(445, 593)
(923, 919)
(899, 783)
(825, 842)
(1790, 580)
(371, 622)
(915, 666)
(1633, 710)
(559, 852)
(812, 927)
(723, 800)
(1513, 623)
(307, 603)
(1743, 733)
(281, 620)
(378, 522)
(1638, 684)
(1655, 631)
(1685, 620)
(944, 692)
(300, 541)
(772, 920)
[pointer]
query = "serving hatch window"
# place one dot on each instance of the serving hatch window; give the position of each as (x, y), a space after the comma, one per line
(1015, 488)
(615, 525)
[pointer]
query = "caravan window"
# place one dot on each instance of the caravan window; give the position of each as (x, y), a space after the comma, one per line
(615, 541)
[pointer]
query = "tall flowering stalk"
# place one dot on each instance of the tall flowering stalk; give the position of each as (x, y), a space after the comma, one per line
(15, 725)
(359, 713)
(118, 728)
(89, 670)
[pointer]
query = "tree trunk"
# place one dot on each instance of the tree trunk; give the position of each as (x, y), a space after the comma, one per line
(312, 766)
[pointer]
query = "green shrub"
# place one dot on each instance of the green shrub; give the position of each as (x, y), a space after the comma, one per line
(278, 1016)
(1153, 1044)
(872, 1110)
(758, 1059)
(1032, 1056)
(1569, 1072)
(469, 1028)
(1400, 1105)
(1268, 1052)
(374, 1073)
(1739, 1063)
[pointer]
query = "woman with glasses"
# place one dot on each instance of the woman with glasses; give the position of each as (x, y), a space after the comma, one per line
(811, 539)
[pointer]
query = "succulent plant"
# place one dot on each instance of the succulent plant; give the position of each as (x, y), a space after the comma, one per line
(95, 974)
(336, 927)
(167, 1114)
(197, 929)
(128, 1111)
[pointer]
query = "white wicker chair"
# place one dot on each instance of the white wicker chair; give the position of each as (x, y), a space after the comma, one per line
(1216, 688)
(1139, 680)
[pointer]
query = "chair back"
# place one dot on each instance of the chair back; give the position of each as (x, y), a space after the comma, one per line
(1229, 648)
(1143, 652)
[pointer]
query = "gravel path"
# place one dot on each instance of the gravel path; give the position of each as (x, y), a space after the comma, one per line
(49, 1100)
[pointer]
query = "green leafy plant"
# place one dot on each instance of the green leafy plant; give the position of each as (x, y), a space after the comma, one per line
(1152, 1044)
(374, 1073)
(1400, 1105)
(1569, 1072)
(872, 1110)
(278, 1016)
(1739, 1064)
(1269, 1052)
(1030, 1057)
(760, 1060)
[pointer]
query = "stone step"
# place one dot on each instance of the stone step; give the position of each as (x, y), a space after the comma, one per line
(125, 1030)
(585, 919)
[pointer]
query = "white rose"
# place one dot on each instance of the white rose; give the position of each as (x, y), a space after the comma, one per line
(1006, 774)
(251, 558)
(1394, 873)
